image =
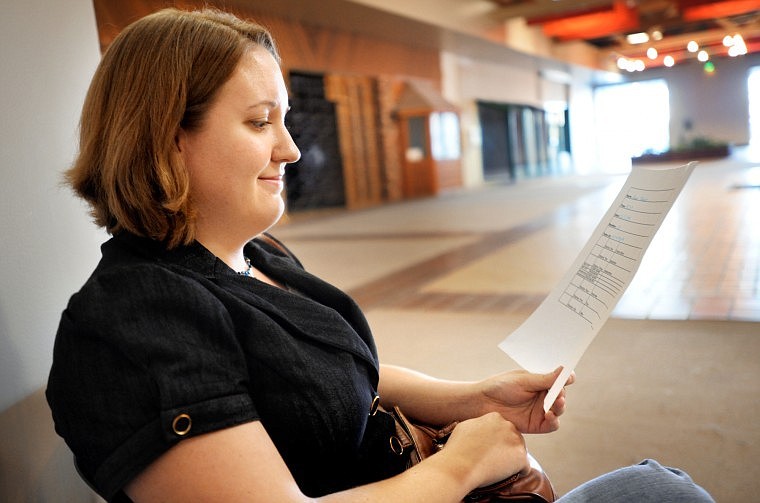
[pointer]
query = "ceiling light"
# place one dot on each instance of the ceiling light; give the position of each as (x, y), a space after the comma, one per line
(728, 41)
(739, 44)
(656, 35)
(692, 46)
(703, 56)
(668, 61)
(652, 53)
(637, 38)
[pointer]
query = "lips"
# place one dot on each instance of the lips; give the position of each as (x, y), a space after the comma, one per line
(273, 182)
(272, 178)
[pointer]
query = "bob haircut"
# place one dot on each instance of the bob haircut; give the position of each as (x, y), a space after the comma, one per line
(160, 74)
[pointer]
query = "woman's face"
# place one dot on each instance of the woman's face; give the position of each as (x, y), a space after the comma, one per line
(236, 159)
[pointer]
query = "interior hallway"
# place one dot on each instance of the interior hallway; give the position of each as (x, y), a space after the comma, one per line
(673, 375)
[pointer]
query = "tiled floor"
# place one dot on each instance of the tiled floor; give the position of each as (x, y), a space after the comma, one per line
(503, 247)
(706, 262)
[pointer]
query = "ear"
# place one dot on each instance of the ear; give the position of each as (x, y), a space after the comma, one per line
(180, 140)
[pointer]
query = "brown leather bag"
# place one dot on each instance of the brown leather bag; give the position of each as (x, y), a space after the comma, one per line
(530, 485)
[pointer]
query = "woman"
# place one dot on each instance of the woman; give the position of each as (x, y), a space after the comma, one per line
(200, 361)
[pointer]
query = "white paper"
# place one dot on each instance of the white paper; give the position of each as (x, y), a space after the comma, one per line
(560, 330)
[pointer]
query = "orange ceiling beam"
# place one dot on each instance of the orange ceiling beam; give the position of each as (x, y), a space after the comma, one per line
(565, 14)
(719, 9)
(619, 18)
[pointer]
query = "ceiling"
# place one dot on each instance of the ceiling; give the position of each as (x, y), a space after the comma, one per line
(548, 32)
(605, 23)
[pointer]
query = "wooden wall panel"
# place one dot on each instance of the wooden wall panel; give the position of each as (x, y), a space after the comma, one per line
(357, 115)
(449, 174)
(302, 47)
(388, 90)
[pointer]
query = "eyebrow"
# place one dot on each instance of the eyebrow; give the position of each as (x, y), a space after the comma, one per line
(270, 104)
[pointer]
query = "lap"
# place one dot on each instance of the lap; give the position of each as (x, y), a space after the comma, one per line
(643, 483)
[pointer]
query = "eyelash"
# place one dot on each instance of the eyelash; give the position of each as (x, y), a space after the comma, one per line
(260, 124)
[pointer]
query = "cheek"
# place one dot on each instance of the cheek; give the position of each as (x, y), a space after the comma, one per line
(205, 173)
(251, 153)
(224, 161)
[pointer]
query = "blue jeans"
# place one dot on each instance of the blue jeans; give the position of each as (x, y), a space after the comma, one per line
(647, 482)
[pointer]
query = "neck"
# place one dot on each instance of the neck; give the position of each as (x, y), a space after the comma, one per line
(232, 255)
(224, 241)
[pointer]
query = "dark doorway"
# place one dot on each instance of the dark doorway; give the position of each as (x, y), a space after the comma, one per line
(316, 180)
(494, 126)
(516, 141)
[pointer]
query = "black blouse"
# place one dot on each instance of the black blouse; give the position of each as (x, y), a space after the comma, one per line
(162, 345)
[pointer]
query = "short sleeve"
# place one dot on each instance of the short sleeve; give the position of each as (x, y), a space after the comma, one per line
(144, 357)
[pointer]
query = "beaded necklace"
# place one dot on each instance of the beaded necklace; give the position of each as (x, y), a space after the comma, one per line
(249, 270)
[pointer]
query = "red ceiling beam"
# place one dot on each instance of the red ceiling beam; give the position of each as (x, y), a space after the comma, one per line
(558, 16)
(620, 18)
(717, 10)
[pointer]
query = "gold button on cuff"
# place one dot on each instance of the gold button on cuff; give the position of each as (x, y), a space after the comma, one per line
(182, 424)
(375, 405)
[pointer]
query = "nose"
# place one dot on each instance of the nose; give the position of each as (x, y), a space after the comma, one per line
(286, 150)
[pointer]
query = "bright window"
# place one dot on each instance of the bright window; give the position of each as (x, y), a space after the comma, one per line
(631, 119)
(444, 136)
(753, 84)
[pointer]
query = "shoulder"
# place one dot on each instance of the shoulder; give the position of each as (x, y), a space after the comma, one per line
(144, 342)
(137, 278)
(140, 284)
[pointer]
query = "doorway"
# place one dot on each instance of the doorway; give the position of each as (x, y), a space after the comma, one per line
(316, 180)
(517, 141)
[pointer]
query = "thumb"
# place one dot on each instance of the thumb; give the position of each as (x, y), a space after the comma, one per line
(550, 377)
(541, 382)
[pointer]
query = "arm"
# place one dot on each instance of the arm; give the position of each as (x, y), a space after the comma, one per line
(517, 395)
(224, 466)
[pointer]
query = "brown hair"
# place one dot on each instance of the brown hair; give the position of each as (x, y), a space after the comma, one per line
(161, 73)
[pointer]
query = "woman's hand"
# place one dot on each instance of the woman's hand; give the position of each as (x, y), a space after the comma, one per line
(488, 447)
(519, 397)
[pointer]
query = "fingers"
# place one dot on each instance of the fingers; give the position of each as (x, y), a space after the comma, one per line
(571, 379)
(559, 403)
(558, 408)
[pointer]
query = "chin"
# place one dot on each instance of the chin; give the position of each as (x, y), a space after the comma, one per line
(271, 217)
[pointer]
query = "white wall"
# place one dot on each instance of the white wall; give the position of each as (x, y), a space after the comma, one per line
(48, 52)
(716, 105)
(466, 81)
